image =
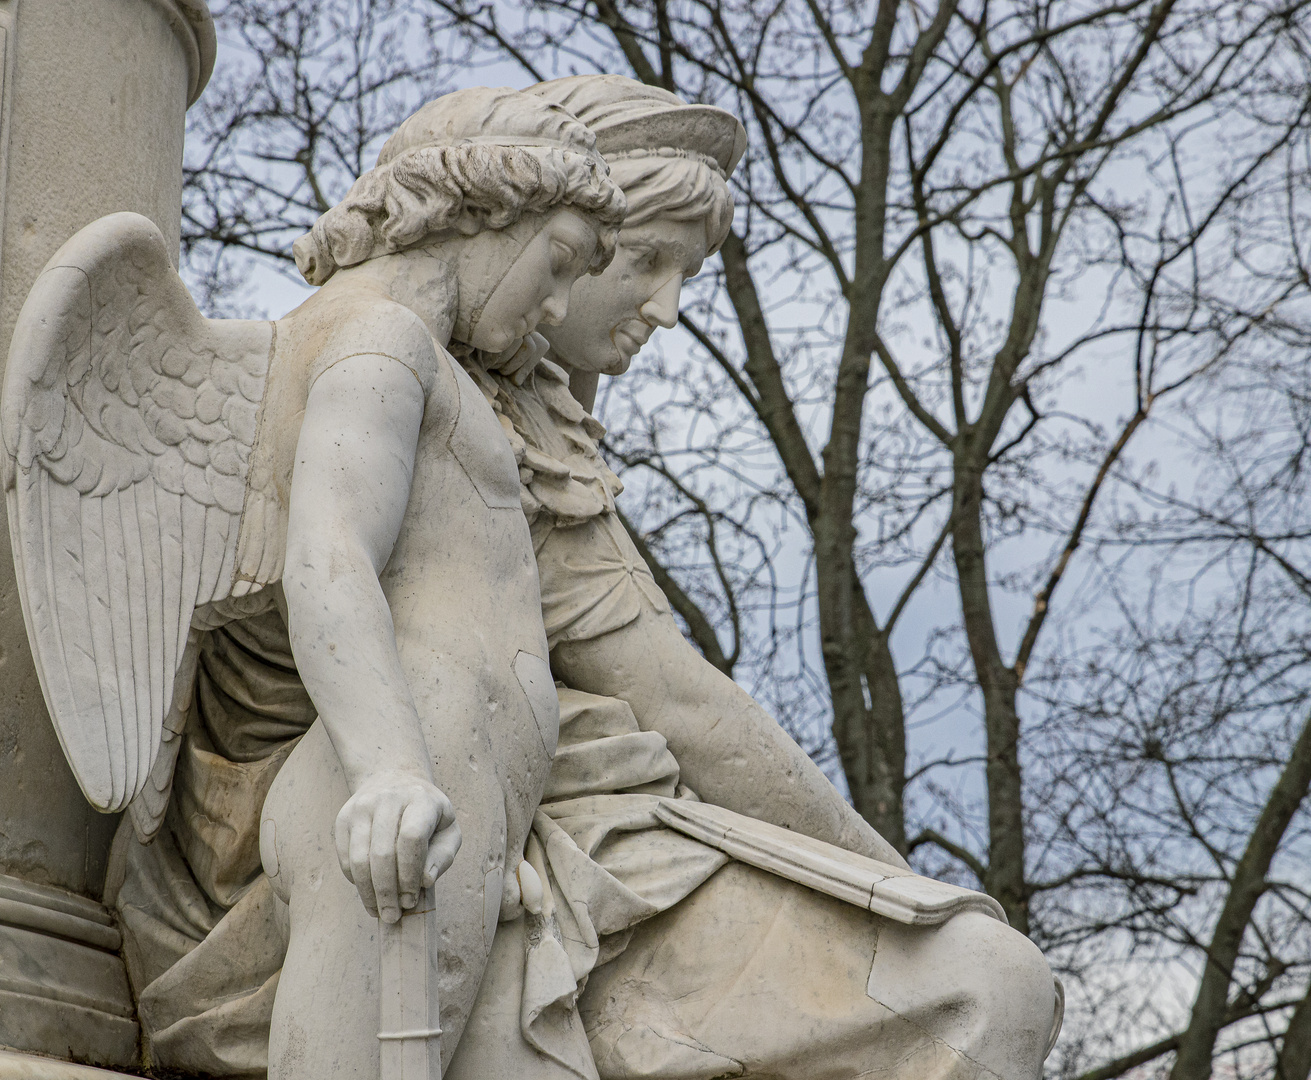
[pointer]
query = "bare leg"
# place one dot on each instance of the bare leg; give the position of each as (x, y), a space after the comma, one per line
(325, 1019)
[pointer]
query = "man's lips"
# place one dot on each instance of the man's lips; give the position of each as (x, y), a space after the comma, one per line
(631, 336)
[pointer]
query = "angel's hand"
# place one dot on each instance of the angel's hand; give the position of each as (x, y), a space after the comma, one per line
(395, 835)
(518, 361)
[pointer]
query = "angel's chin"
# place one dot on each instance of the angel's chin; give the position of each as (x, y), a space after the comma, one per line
(494, 341)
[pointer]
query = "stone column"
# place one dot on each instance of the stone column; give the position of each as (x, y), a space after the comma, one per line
(93, 99)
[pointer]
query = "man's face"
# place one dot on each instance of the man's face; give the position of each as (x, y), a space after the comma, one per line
(611, 316)
(535, 288)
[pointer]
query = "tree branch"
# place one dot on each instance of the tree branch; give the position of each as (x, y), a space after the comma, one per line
(1249, 883)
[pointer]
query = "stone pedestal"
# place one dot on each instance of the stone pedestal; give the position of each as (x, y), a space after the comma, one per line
(30, 1067)
(93, 98)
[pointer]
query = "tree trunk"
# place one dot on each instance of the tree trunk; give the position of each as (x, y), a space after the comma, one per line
(1005, 879)
(1197, 1047)
(872, 743)
(1294, 1062)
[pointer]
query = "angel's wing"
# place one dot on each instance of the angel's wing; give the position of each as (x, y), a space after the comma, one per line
(128, 419)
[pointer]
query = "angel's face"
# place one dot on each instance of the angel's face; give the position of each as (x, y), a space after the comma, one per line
(525, 272)
(611, 316)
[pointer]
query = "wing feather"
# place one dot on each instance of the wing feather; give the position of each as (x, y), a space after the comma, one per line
(149, 806)
(134, 603)
(216, 557)
(193, 551)
(168, 506)
(36, 541)
(118, 597)
(98, 646)
(118, 613)
(128, 421)
(151, 536)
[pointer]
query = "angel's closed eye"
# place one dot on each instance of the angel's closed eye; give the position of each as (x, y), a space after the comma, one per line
(562, 256)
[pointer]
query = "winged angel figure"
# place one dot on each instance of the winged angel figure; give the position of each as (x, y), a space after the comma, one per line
(152, 495)
(130, 421)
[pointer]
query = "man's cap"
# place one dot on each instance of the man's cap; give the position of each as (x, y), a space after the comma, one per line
(490, 116)
(630, 117)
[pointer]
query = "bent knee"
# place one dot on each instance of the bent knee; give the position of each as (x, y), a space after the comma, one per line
(999, 953)
(983, 988)
(1003, 973)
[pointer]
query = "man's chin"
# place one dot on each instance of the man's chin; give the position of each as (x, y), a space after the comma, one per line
(607, 359)
(618, 365)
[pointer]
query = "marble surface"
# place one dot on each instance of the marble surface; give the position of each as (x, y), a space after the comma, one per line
(74, 79)
(63, 988)
(419, 770)
(18, 1066)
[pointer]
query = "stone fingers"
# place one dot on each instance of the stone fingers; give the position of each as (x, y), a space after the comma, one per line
(441, 852)
(353, 834)
(417, 825)
(393, 839)
(382, 857)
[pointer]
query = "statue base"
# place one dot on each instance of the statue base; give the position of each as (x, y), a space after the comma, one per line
(15, 1066)
(63, 987)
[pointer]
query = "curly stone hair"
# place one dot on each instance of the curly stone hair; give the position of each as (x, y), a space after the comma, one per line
(672, 159)
(418, 191)
(679, 186)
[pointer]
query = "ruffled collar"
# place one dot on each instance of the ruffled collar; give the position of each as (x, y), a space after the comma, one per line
(561, 473)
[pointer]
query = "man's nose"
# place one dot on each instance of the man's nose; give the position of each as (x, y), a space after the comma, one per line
(662, 308)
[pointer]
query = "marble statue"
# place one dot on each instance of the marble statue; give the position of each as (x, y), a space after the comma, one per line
(300, 593)
(168, 473)
(75, 79)
(678, 967)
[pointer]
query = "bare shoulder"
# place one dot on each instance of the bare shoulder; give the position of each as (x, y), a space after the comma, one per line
(337, 324)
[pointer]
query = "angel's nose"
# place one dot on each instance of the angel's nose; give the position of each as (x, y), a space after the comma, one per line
(555, 306)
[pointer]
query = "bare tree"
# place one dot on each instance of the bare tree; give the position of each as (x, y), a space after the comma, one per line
(307, 91)
(983, 445)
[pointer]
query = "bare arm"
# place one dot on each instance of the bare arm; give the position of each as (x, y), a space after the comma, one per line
(350, 488)
(730, 751)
